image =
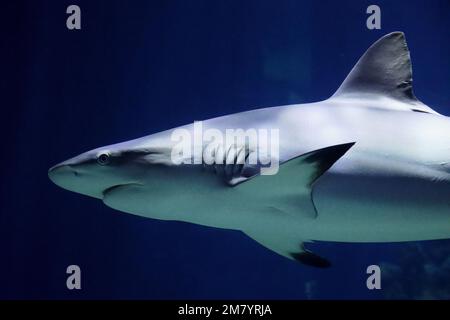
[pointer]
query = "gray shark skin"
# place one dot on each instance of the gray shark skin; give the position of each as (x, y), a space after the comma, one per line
(369, 164)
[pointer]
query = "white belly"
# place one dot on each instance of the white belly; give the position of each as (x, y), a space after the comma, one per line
(381, 209)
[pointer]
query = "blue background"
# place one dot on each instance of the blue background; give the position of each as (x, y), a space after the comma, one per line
(139, 67)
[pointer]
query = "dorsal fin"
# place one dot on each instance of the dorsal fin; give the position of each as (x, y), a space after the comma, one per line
(385, 69)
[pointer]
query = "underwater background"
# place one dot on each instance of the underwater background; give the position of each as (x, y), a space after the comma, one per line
(139, 67)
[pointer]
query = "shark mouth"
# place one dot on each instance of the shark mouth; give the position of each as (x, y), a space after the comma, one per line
(118, 186)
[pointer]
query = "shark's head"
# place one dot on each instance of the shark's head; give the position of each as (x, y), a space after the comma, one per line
(137, 176)
(96, 172)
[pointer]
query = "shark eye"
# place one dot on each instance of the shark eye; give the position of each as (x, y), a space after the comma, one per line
(103, 159)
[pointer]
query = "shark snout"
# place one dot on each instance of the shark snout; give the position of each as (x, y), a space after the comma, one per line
(61, 169)
(73, 178)
(62, 174)
(85, 175)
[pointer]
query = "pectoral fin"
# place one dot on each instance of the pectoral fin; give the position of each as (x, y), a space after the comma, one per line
(292, 185)
(291, 190)
(290, 246)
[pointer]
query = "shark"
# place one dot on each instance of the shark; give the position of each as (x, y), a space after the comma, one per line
(369, 164)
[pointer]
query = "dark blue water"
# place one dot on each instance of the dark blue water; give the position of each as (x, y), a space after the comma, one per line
(138, 67)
